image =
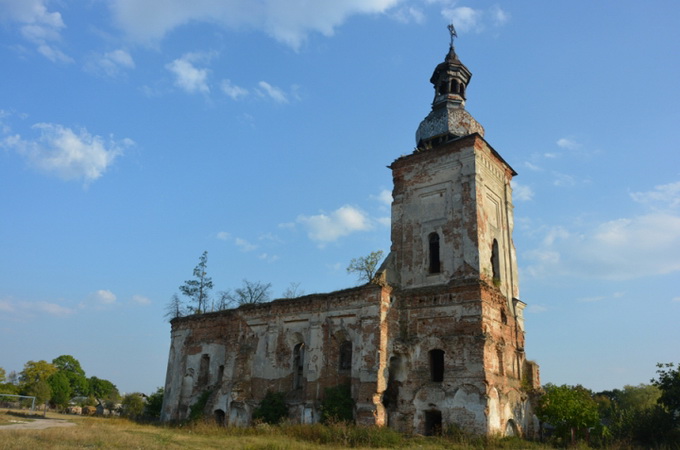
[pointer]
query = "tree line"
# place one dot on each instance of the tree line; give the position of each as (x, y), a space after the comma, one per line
(647, 415)
(63, 383)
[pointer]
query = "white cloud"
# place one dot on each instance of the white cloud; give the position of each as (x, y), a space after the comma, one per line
(568, 144)
(384, 221)
(288, 21)
(104, 297)
(232, 90)
(112, 63)
(268, 258)
(536, 309)
(276, 94)
(663, 196)
(521, 192)
(21, 309)
(409, 14)
(345, 220)
(384, 197)
(676, 299)
(468, 19)
(141, 300)
(619, 249)
(68, 154)
(223, 236)
(244, 245)
(499, 16)
(189, 77)
(37, 25)
(464, 18)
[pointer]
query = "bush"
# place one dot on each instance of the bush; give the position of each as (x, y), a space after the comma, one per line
(337, 404)
(196, 410)
(272, 409)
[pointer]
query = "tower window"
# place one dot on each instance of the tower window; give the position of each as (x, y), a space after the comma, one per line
(345, 360)
(437, 365)
(495, 262)
(435, 265)
(298, 364)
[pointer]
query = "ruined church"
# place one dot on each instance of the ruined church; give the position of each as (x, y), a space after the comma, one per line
(435, 339)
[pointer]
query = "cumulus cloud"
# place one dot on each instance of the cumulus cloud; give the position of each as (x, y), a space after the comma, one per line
(111, 64)
(324, 228)
(272, 92)
(69, 154)
(289, 22)
(620, 249)
(468, 19)
(37, 25)
(384, 197)
(188, 76)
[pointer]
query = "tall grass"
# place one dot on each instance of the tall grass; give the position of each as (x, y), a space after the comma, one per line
(95, 432)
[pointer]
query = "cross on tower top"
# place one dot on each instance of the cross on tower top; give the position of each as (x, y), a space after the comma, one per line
(452, 31)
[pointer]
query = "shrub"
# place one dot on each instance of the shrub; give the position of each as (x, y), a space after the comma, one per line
(197, 408)
(272, 409)
(337, 404)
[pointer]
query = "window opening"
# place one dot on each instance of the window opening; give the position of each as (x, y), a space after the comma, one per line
(345, 363)
(435, 265)
(204, 371)
(437, 365)
(433, 422)
(298, 364)
(495, 262)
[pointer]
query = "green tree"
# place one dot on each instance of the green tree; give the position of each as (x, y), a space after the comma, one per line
(272, 409)
(337, 404)
(71, 368)
(3, 375)
(570, 409)
(198, 288)
(154, 404)
(61, 389)
(103, 390)
(35, 371)
(132, 405)
(41, 391)
(365, 266)
(668, 381)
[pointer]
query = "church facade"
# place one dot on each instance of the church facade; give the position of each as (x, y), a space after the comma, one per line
(436, 339)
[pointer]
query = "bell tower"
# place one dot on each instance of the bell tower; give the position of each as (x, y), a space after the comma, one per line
(454, 269)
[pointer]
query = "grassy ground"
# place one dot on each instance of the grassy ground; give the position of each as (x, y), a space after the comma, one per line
(94, 432)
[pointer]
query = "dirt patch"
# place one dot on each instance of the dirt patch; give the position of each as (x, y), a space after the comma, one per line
(37, 424)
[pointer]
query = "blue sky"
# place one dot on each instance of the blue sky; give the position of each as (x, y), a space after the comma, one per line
(135, 134)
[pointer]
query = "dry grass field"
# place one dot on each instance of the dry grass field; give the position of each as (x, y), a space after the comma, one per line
(95, 432)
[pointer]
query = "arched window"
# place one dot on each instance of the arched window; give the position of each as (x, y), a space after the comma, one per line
(495, 262)
(298, 364)
(345, 357)
(435, 264)
(437, 365)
